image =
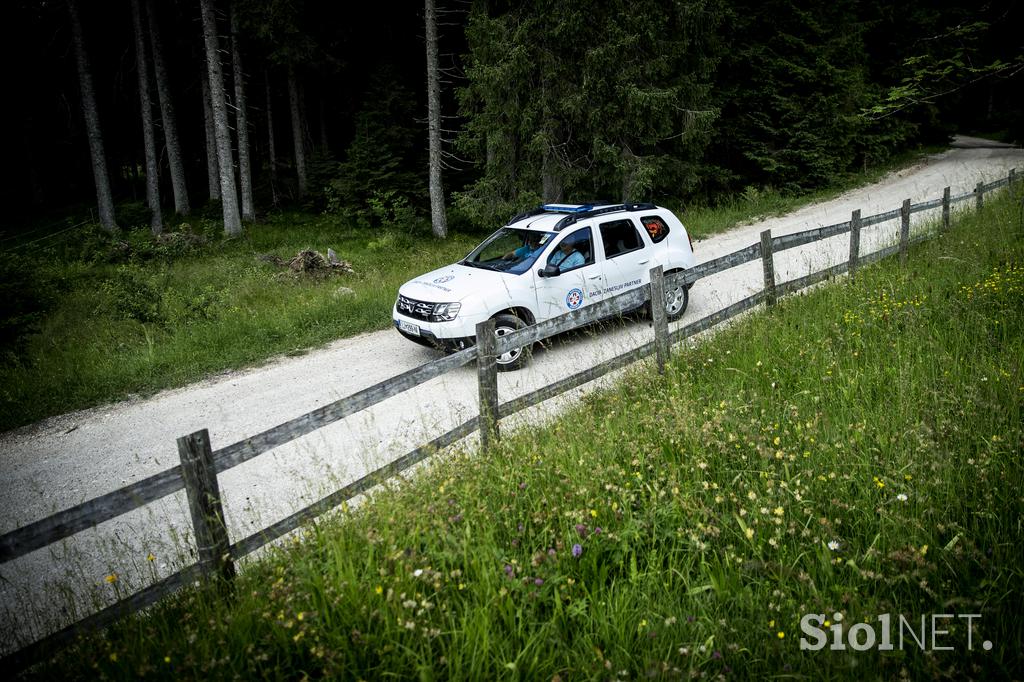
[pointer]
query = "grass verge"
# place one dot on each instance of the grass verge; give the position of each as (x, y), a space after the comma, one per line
(854, 451)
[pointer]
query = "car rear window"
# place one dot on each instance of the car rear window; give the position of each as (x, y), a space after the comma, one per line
(655, 227)
(619, 237)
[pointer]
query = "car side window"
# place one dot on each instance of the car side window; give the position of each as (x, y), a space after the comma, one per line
(619, 237)
(574, 251)
(655, 227)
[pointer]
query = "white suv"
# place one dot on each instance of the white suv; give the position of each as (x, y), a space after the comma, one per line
(542, 264)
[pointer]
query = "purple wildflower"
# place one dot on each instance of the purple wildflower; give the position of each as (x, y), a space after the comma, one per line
(538, 581)
(509, 570)
(581, 529)
(716, 654)
(597, 531)
(551, 551)
(577, 550)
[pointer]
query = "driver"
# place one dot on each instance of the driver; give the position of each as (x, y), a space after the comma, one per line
(526, 250)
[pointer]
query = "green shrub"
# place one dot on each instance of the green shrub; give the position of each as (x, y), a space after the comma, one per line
(134, 296)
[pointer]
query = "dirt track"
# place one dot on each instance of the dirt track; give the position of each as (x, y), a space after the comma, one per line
(71, 458)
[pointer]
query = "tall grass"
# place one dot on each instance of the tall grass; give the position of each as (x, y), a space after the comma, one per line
(855, 450)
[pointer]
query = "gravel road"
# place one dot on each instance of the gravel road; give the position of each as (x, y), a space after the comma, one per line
(71, 458)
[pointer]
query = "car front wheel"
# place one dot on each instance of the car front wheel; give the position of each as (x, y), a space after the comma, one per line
(513, 359)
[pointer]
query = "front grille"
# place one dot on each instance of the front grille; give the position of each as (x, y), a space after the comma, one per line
(421, 310)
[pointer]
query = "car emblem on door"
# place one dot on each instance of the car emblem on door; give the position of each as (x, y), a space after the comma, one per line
(574, 299)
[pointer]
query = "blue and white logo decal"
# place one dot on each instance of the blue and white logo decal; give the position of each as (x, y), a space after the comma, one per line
(442, 280)
(574, 299)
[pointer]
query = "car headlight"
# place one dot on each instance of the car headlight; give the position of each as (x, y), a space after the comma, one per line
(446, 312)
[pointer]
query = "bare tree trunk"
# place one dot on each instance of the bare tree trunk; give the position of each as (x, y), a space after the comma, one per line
(212, 167)
(300, 153)
(167, 115)
(104, 199)
(438, 219)
(156, 220)
(241, 122)
(228, 193)
(271, 150)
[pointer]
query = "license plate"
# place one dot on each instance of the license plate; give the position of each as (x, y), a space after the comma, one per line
(408, 328)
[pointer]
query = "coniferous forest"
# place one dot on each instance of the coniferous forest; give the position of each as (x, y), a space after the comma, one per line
(485, 105)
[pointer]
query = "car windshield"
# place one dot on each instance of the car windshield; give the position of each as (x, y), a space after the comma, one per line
(509, 250)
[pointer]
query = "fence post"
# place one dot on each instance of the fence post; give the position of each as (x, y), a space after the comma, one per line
(1011, 178)
(904, 231)
(979, 194)
(854, 242)
(659, 316)
(487, 379)
(205, 505)
(768, 264)
(945, 209)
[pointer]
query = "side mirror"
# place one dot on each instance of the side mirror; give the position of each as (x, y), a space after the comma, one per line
(548, 271)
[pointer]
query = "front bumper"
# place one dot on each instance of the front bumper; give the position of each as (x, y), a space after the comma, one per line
(428, 339)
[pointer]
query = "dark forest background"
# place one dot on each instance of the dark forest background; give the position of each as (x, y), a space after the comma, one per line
(540, 100)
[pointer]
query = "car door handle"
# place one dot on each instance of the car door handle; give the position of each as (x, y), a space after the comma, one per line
(594, 277)
(645, 261)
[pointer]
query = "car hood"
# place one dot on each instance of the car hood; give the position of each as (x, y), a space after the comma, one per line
(455, 282)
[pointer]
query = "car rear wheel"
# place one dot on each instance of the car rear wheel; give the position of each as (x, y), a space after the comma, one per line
(677, 297)
(513, 359)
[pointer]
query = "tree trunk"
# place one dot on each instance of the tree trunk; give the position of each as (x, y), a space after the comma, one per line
(438, 219)
(228, 193)
(167, 115)
(271, 149)
(156, 220)
(104, 199)
(212, 167)
(241, 122)
(300, 153)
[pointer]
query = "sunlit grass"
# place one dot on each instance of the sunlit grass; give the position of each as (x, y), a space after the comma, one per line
(856, 449)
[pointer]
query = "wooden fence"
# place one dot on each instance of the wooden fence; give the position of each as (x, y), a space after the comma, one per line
(200, 464)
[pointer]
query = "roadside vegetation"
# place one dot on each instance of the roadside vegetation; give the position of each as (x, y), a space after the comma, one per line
(855, 450)
(89, 318)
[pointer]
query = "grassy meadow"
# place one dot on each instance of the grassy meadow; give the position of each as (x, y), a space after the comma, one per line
(855, 450)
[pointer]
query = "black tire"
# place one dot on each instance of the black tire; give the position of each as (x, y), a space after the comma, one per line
(512, 360)
(677, 298)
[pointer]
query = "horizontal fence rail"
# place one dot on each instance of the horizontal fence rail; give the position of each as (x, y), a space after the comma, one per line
(88, 514)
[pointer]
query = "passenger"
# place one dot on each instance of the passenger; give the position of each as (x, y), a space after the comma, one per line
(567, 257)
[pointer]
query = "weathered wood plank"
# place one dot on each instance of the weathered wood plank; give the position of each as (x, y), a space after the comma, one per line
(925, 205)
(979, 196)
(799, 283)
(88, 514)
(609, 307)
(236, 453)
(204, 504)
(659, 317)
(962, 197)
(45, 647)
(575, 380)
(260, 538)
(722, 263)
(876, 256)
(791, 241)
(722, 315)
(487, 383)
(879, 218)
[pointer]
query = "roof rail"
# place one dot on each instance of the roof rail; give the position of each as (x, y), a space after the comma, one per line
(582, 215)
